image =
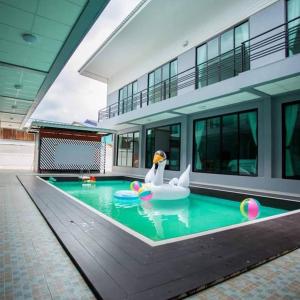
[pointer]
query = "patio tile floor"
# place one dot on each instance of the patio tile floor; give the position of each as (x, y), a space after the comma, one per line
(33, 265)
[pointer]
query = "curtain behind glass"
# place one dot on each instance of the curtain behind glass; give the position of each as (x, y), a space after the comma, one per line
(293, 11)
(199, 131)
(291, 114)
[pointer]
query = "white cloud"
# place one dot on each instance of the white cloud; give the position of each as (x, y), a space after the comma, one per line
(73, 97)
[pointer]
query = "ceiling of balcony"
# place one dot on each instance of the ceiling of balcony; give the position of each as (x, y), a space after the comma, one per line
(157, 31)
(29, 67)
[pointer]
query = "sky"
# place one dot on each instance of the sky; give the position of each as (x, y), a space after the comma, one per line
(74, 97)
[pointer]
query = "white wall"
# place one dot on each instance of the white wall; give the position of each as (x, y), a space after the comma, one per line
(16, 155)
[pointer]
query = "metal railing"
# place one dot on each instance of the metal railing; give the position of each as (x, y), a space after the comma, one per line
(285, 37)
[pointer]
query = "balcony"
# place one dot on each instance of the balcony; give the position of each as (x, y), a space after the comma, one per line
(253, 53)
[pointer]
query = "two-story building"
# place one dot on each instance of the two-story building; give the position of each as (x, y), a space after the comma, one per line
(215, 84)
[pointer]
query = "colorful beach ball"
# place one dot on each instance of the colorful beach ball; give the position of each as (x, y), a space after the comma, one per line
(135, 185)
(145, 194)
(250, 208)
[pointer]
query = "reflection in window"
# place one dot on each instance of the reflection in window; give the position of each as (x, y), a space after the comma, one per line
(293, 11)
(221, 57)
(128, 150)
(226, 144)
(166, 138)
(128, 98)
(162, 82)
(291, 140)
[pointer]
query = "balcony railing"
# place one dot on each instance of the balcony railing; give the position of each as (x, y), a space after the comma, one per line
(285, 37)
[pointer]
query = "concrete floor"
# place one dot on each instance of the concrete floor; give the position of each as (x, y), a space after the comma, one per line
(33, 265)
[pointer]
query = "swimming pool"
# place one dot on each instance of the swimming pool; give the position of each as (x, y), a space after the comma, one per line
(161, 220)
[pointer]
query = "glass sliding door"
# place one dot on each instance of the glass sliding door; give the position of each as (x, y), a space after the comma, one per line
(157, 85)
(136, 147)
(199, 146)
(213, 142)
(226, 144)
(221, 58)
(227, 55)
(213, 61)
(128, 150)
(248, 143)
(126, 97)
(241, 34)
(293, 11)
(202, 65)
(135, 95)
(230, 144)
(291, 140)
(167, 139)
(162, 82)
(173, 78)
(174, 147)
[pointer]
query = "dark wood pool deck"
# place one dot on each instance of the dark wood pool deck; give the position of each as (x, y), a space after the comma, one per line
(117, 265)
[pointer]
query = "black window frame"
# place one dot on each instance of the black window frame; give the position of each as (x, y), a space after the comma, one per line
(238, 164)
(219, 50)
(283, 135)
(117, 154)
(287, 54)
(163, 96)
(121, 111)
(153, 128)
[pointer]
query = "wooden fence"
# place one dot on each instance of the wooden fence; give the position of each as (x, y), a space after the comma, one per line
(14, 134)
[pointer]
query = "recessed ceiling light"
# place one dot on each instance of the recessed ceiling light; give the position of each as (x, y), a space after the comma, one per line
(11, 118)
(18, 86)
(14, 106)
(185, 43)
(29, 38)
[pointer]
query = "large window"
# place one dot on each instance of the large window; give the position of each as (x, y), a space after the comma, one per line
(293, 11)
(165, 138)
(226, 144)
(291, 140)
(221, 57)
(127, 97)
(128, 150)
(162, 82)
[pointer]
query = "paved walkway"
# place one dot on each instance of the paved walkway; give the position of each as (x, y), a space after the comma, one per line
(33, 265)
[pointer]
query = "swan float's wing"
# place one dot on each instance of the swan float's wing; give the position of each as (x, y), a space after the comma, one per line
(184, 179)
(173, 181)
(150, 175)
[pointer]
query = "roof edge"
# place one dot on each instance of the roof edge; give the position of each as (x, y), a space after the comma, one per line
(141, 5)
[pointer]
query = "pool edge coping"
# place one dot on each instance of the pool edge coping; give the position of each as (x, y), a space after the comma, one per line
(152, 243)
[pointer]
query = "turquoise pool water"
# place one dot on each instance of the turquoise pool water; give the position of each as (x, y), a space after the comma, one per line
(160, 220)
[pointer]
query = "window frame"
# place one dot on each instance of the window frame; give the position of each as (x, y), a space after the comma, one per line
(283, 135)
(163, 97)
(221, 136)
(218, 35)
(121, 111)
(117, 152)
(153, 128)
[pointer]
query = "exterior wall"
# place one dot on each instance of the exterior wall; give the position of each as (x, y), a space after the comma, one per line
(260, 22)
(265, 19)
(112, 98)
(186, 61)
(269, 148)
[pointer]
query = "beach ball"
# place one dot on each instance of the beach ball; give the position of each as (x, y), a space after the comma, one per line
(135, 185)
(250, 208)
(145, 194)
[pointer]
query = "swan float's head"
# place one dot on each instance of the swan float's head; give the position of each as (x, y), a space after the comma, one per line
(159, 157)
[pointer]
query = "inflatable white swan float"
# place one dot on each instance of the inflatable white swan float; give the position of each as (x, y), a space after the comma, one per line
(177, 188)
